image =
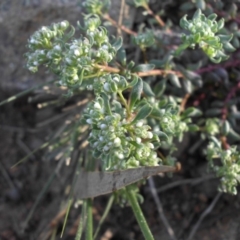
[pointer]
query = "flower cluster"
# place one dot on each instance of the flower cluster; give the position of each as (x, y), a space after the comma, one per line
(116, 142)
(229, 170)
(75, 60)
(203, 32)
(96, 6)
(44, 47)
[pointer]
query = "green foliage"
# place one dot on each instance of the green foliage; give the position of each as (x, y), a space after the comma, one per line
(203, 32)
(133, 119)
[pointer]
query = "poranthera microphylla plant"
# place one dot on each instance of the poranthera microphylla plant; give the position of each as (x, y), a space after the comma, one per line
(130, 117)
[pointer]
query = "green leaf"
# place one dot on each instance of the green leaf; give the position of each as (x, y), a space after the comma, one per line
(143, 113)
(191, 112)
(136, 92)
(174, 80)
(184, 22)
(70, 33)
(106, 103)
(133, 82)
(225, 38)
(143, 68)
(148, 90)
(187, 86)
(180, 49)
(160, 88)
(187, 6)
(212, 16)
(193, 128)
(213, 112)
(201, 4)
(163, 136)
(197, 14)
(225, 128)
(220, 23)
(117, 45)
(121, 56)
(229, 47)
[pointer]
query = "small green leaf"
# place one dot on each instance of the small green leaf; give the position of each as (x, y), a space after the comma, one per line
(225, 128)
(229, 47)
(213, 112)
(143, 113)
(212, 16)
(136, 92)
(187, 86)
(174, 80)
(193, 128)
(184, 22)
(187, 6)
(106, 103)
(121, 56)
(201, 4)
(197, 14)
(225, 38)
(220, 23)
(160, 88)
(143, 68)
(117, 45)
(163, 136)
(191, 112)
(133, 82)
(180, 49)
(148, 90)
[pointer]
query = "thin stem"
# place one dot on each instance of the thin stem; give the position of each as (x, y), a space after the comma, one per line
(114, 23)
(81, 221)
(89, 233)
(124, 102)
(138, 214)
(25, 92)
(108, 207)
(157, 18)
(154, 72)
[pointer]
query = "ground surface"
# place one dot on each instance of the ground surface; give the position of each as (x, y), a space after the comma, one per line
(23, 127)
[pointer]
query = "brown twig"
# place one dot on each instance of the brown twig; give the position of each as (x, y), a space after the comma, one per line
(203, 215)
(122, 27)
(153, 72)
(121, 17)
(184, 102)
(157, 17)
(160, 209)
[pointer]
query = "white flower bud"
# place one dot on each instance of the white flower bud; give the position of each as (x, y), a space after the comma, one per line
(103, 126)
(97, 105)
(139, 124)
(150, 135)
(63, 24)
(117, 141)
(106, 87)
(138, 140)
(89, 121)
(76, 52)
(120, 156)
(57, 47)
(106, 148)
(101, 139)
(150, 145)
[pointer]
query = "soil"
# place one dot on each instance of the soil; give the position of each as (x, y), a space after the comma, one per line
(25, 127)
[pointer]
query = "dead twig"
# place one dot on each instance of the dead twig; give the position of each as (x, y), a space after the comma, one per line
(160, 209)
(184, 181)
(203, 215)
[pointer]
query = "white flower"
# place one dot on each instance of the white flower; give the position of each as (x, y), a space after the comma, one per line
(63, 24)
(106, 87)
(76, 52)
(89, 121)
(138, 140)
(57, 47)
(97, 105)
(150, 135)
(139, 124)
(117, 141)
(103, 126)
